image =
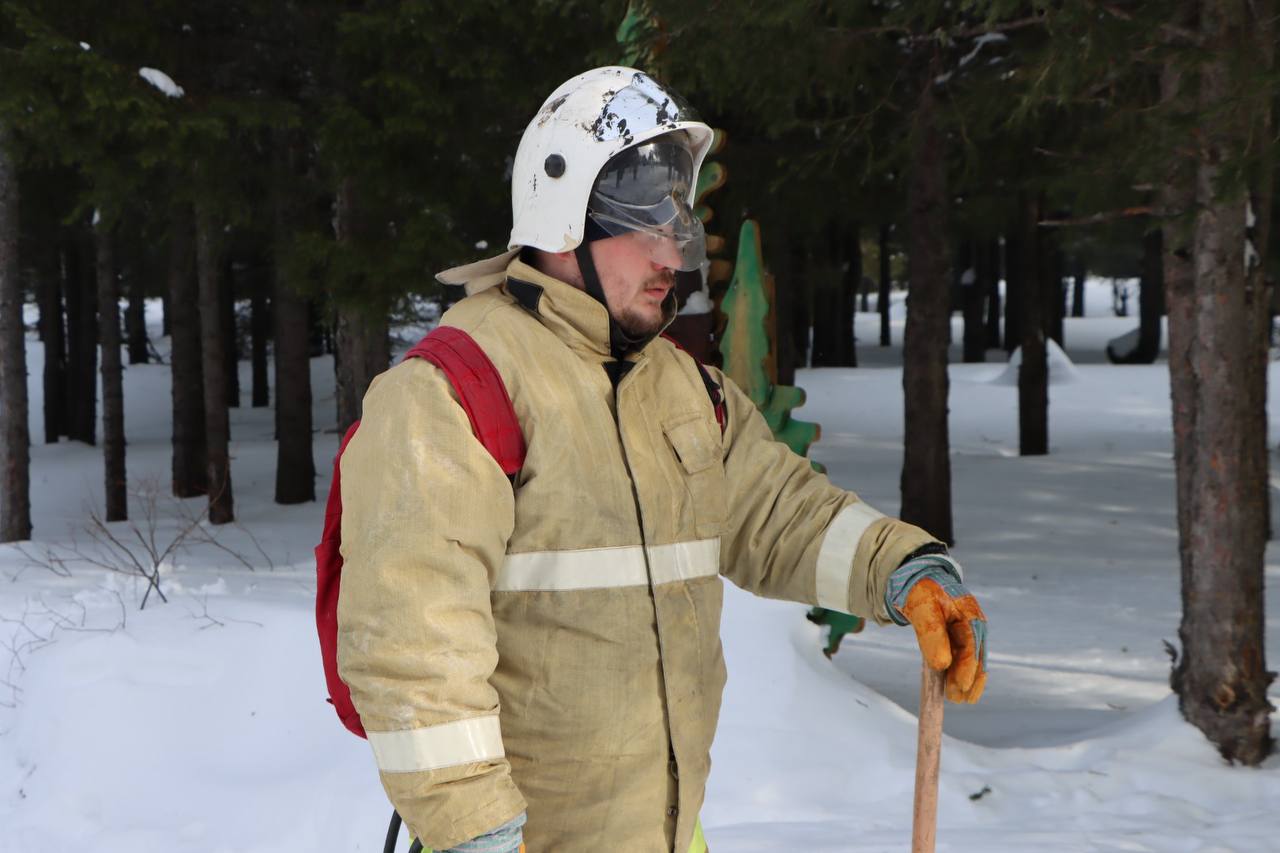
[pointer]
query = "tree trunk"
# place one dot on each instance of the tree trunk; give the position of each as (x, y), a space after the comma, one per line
(1052, 286)
(926, 467)
(1077, 296)
(1217, 356)
(321, 338)
(852, 267)
(166, 311)
(975, 300)
(190, 457)
(117, 493)
(137, 319)
(886, 286)
(363, 353)
(82, 342)
(784, 299)
(1014, 284)
(214, 363)
(801, 307)
(993, 255)
(835, 299)
(1033, 372)
(829, 300)
(15, 491)
(230, 331)
(363, 336)
(295, 465)
(260, 331)
(1150, 298)
(53, 334)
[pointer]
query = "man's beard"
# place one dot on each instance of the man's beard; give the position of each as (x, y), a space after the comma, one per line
(638, 326)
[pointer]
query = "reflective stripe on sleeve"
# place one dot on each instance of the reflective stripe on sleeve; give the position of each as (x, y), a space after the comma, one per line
(432, 747)
(607, 568)
(835, 557)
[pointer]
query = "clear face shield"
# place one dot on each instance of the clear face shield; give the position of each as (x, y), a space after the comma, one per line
(646, 191)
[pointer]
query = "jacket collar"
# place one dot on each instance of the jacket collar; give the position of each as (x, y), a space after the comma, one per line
(576, 317)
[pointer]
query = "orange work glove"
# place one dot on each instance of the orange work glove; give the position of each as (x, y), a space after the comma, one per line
(950, 626)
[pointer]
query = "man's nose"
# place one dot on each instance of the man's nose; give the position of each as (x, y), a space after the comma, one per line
(665, 254)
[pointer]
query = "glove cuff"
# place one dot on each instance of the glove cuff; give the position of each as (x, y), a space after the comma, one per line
(506, 838)
(936, 567)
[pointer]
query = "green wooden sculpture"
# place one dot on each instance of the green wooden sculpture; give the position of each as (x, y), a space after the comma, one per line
(640, 36)
(747, 345)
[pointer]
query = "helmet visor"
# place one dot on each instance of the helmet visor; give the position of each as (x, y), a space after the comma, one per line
(647, 189)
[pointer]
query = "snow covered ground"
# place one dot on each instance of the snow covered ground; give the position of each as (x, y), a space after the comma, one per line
(200, 725)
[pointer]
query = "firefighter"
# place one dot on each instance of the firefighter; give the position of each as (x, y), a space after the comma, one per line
(539, 659)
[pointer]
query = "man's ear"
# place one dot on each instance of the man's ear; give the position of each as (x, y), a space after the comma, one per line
(561, 265)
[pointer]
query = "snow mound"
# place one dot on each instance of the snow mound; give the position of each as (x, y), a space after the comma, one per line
(1061, 369)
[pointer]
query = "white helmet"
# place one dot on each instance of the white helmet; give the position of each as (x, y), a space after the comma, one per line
(582, 125)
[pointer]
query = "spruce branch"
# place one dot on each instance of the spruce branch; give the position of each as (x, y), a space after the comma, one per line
(1094, 219)
(1170, 29)
(912, 37)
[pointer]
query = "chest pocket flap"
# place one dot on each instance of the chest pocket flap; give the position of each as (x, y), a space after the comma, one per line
(692, 441)
(696, 444)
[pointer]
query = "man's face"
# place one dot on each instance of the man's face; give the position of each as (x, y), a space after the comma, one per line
(637, 271)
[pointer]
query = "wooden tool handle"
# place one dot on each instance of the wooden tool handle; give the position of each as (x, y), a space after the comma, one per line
(924, 819)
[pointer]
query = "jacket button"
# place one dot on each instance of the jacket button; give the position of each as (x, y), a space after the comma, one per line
(674, 768)
(672, 811)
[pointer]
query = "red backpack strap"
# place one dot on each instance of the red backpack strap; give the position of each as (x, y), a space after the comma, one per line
(483, 395)
(480, 390)
(714, 391)
(328, 581)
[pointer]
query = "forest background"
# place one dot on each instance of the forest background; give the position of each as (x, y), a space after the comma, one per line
(286, 177)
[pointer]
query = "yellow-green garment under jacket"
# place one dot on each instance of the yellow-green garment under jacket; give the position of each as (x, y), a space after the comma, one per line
(557, 644)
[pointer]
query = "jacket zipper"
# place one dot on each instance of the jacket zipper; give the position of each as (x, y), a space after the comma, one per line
(644, 550)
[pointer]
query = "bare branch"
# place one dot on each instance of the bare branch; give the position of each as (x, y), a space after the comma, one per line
(51, 621)
(51, 561)
(204, 614)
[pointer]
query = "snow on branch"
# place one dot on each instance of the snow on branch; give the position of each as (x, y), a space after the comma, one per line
(161, 81)
(985, 38)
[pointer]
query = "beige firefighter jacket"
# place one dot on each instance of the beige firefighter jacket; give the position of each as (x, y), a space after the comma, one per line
(556, 644)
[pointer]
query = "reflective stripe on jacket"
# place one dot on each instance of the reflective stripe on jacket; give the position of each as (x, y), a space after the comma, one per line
(557, 645)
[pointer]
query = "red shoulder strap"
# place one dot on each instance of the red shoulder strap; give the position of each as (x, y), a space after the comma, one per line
(480, 390)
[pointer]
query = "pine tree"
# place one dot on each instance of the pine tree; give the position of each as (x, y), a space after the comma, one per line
(1183, 102)
(1218, 311)
(214, 364)
(926, 465)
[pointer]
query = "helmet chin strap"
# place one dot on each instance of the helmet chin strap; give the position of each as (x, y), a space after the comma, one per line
(620, 343)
